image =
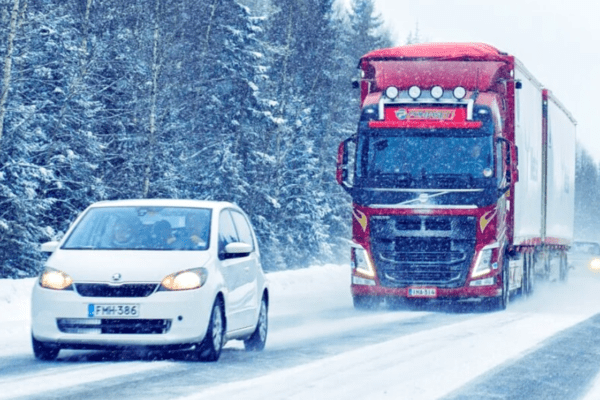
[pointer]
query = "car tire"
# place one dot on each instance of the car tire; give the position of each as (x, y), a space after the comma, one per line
(212, 344)
(257, 341)
(43, 351)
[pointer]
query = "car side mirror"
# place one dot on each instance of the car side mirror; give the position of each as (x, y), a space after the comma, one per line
(49, 247)
(238, 248)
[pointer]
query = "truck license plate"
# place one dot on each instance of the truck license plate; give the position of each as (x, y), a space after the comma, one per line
(114, 310)
(422, 292)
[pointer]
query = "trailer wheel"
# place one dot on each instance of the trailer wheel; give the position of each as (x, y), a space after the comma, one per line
(528, 275)
(564, 268)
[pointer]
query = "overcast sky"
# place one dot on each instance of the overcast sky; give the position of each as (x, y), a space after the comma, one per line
(558, 41)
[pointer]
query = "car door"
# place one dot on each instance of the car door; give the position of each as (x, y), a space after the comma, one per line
(233, 269)
(251, 265)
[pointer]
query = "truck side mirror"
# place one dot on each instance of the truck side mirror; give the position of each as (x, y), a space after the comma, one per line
(345, 163)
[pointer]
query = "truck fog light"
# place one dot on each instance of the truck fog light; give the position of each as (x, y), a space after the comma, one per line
(391, 92)
(356, 280)
(437, 92)
(487, 172)
(483, 282)
(414, 92)
(459, 92)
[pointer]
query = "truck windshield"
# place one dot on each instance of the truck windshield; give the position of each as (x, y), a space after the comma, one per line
(407, 155)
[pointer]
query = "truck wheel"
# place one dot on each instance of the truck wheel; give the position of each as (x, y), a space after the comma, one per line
(212, 344)
(257, 341)
(564, 268)
(364, 302)
(528, 276)
(501, 302)
(44, 351)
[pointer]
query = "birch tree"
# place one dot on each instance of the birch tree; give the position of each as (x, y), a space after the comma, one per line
(4, 89)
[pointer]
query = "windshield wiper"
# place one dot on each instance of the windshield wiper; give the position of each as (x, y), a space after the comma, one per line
(425, 199)
(466, 178)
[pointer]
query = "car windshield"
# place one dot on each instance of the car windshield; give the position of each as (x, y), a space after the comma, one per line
(141, 228)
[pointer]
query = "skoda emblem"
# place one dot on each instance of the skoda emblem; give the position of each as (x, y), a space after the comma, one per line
(116, 277)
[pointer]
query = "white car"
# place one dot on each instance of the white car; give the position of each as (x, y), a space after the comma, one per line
(164, 273)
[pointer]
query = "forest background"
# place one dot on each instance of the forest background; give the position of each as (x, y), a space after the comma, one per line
(112, 99)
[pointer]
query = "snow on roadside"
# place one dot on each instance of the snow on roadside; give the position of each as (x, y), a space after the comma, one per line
(15, 301)
(301, 289)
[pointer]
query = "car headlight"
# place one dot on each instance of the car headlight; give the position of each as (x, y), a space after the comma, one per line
(595, 264)
(55, 279)
(185, 280)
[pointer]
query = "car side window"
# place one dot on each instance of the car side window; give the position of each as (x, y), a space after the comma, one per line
(243, 228)
(227, 232)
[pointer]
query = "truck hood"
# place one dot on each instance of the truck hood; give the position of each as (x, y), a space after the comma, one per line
(132, 265)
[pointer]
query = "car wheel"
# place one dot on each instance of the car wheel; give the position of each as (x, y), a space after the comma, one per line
(257, 341)
(44, 351)
(212, 344)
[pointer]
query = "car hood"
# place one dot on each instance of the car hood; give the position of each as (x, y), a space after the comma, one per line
(132, 265)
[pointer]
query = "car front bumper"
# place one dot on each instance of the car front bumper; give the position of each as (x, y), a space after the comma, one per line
(164, 319)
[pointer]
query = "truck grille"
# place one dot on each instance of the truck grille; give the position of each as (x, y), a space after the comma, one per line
(107, 290)
(114, 326)
(423, 250)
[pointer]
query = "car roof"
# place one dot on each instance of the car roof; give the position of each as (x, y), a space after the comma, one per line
(216, 205)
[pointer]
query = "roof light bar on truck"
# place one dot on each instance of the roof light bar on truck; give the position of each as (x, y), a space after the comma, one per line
(414, 95)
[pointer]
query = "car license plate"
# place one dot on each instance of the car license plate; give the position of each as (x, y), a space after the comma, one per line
(422, 292)
(114, 310)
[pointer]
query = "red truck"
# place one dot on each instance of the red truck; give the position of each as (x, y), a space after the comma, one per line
(461, 174)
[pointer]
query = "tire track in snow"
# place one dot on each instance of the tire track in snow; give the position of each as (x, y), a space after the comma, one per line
(424, 365)
(52, 379)
(563, 367)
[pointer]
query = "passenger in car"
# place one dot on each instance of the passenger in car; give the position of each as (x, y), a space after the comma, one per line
(196, 232)
(162, 234)
(122, 233)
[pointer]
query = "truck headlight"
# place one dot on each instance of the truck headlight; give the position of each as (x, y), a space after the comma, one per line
(484, 263)
(54, 279)
(361, 262)
(185, 280)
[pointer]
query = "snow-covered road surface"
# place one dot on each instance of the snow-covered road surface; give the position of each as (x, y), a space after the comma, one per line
(319, 347)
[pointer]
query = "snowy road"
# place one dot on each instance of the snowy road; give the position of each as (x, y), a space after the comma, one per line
(319, 347)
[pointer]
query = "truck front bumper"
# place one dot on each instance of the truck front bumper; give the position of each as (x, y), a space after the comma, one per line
(461, 293)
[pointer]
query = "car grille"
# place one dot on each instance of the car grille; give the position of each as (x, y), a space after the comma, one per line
(108, 290)
(423, 250)
(114, 326)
